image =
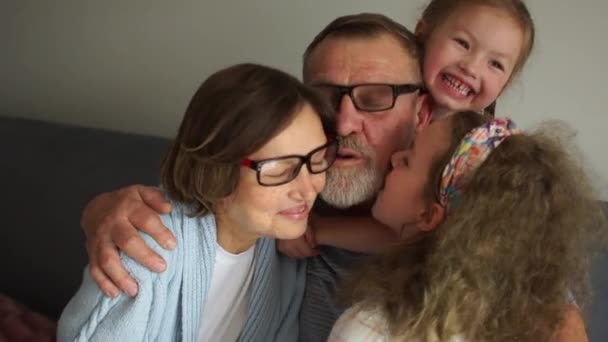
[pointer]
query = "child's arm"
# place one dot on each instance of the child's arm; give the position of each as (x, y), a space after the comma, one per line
(358, 234)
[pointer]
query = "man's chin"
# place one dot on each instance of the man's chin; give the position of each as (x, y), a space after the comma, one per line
(350, 186)
(337, 201)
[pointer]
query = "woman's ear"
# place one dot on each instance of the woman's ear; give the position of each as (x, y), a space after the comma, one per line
(432, 217)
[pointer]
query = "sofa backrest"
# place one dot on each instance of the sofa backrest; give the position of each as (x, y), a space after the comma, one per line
(48, 172)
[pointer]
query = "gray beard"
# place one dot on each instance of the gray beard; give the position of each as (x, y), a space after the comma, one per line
(349, 187)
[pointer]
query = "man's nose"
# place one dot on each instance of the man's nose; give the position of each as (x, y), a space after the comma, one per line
(349, 119)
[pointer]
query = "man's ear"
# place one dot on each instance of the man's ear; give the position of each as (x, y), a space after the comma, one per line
(425, 112)
(419, 29)
(432, 217)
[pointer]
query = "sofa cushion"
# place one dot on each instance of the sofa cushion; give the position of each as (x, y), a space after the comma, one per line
(48, 173)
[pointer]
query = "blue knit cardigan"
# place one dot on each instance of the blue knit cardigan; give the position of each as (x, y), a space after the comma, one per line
(168, 306)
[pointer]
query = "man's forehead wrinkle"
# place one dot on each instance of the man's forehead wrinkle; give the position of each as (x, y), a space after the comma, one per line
(356, 70)
(379, 60)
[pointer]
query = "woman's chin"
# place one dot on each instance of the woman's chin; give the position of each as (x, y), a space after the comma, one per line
(292, 231)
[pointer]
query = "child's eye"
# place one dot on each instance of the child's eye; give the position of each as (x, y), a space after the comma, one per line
(497, 65)
(462, 42)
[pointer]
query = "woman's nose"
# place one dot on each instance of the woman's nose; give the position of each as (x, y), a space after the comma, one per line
(307, 185)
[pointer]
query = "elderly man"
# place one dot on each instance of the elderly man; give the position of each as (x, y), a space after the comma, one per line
(358, 56)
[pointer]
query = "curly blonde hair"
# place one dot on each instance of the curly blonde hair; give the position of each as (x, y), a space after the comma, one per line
(503, 265)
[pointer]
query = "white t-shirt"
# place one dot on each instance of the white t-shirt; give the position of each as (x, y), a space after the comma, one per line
(369, 326)
(227, 301)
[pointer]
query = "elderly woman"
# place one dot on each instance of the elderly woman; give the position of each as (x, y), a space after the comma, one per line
(247, 164)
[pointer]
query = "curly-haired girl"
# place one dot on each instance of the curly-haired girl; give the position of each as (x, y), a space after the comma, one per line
(497, 228)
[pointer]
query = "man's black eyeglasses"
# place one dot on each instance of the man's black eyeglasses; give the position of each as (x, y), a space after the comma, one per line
(369, 97)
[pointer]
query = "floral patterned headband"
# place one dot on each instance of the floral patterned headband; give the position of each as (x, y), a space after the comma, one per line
(470, 154)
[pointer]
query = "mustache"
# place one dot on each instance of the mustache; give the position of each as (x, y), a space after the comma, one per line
(353, 143)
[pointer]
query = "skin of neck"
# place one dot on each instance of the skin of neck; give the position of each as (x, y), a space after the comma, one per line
(232, 237)
(440, 112)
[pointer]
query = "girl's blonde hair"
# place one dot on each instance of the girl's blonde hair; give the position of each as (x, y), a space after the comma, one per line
(503, 265)
(438, 11)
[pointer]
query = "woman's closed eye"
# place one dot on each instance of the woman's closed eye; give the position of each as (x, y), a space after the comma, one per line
(277, 173)
(276, 169)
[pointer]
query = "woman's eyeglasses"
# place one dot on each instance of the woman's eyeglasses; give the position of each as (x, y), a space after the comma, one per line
(281, 170)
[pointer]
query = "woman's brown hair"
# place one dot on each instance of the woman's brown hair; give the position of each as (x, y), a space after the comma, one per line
(503, 265)
(232, 114)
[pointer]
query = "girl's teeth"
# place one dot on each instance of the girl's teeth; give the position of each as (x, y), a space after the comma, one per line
(457, 85)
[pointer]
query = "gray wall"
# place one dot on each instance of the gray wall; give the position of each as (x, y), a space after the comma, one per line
(132, 65)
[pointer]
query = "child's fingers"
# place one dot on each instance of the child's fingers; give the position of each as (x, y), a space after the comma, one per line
(304, 250)
(297, 248)
(309, 235)
(282, 247)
